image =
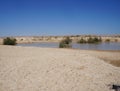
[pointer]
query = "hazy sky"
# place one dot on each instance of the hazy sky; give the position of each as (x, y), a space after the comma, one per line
(59, 17)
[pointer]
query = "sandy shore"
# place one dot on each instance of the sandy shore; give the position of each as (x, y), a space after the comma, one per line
(52, 69)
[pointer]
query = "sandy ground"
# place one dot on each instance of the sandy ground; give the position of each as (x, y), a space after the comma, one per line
(52, 69)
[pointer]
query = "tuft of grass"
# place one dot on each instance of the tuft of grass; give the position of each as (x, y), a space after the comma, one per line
(115, 63)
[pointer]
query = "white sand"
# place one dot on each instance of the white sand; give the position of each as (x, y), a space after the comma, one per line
(52, 69)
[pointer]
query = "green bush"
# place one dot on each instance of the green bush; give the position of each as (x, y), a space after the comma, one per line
(94, 40)
(90, 40)
(82, 41)
(9, 41)
(65, 43)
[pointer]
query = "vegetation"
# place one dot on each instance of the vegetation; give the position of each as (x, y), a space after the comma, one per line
(94, 40)
(90, 40)
(77, 35)
(9, 41)
(65, 43)
(116, 40)
(56, 37)
(107, 40)
(82, 41)
(21, 39)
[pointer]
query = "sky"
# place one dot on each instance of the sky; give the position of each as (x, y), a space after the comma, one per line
(59, 17)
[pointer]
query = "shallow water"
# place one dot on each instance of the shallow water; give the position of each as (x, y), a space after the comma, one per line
(100, 46)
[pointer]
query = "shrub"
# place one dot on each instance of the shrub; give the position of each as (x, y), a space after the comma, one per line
(107, 40)
(82, 41)
(94, 40)
(90, 40)
(65, 43)
(116, 40)
(9, 41)
(67, 40)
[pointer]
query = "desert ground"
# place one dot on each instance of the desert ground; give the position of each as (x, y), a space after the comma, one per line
(54, 69)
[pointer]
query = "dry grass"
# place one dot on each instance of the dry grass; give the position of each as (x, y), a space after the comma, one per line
(113, 62)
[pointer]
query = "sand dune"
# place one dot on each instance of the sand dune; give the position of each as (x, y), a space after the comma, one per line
(52, 69)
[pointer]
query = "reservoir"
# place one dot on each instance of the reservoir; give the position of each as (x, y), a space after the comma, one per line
(99, 46)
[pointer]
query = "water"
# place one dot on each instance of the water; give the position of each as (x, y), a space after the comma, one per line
(42, 44)
(100, 46)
